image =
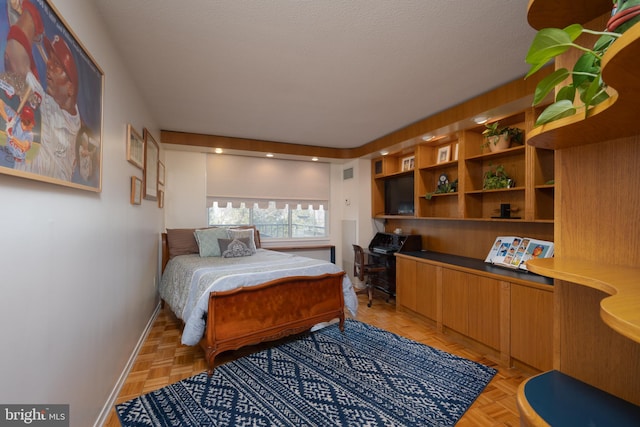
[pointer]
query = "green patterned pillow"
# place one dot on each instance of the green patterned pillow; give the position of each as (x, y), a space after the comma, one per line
(208, 240)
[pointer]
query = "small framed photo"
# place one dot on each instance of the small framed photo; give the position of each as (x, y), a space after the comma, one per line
(136, 190)
(135, 148)
(444, 154)
(160, 199)
(160, 173)
(408, 163)
(151, 157)
(455, 152)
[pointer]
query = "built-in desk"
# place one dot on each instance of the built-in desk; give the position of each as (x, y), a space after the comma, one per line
(505, 314)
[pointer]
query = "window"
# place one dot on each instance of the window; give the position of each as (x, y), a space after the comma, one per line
(290, 221)
(284, 199)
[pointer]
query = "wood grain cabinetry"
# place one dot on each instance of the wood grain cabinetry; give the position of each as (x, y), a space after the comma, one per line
(531, 332)
(416, 287)
(597, 256)
(499, 313)
(532, 170)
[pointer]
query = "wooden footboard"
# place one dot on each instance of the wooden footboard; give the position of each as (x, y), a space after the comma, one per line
(270, 311)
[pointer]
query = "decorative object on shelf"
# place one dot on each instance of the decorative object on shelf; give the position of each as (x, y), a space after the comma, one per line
(496, 178)
(443, 186)
(624, 15)
(408, 163)
(585, 78)
(499, 138)
(455, 151)
(136, 190)
(444, 154)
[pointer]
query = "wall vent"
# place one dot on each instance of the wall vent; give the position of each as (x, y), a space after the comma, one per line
(347, 174)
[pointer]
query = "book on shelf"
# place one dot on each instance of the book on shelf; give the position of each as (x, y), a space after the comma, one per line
(514, 252)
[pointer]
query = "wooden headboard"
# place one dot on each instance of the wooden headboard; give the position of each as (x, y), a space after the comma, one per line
(165, 251)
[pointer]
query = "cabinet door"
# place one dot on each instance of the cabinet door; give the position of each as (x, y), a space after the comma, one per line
(426, 290)
(406, 283)
(484, 310)
(532, 326)
(455, 300)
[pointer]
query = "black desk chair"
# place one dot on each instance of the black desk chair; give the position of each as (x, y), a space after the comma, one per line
(366, 273)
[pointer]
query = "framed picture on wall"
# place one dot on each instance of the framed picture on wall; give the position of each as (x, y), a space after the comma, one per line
(160, 199)
(160, 173)
(136, 190)
(52, 127)
(150, 176)
(135, 148)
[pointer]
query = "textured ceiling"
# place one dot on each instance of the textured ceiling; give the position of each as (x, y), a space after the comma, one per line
(334, 73)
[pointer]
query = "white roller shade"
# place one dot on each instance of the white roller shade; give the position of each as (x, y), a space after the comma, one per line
(237, 179)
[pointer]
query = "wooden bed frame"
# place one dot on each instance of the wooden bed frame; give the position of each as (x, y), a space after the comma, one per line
(268, 311)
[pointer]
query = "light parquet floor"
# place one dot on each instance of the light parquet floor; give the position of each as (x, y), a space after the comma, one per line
(163, 361)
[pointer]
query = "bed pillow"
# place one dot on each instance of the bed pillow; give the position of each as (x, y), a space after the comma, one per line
(256, 233)
(249, 234)
(208, 240)
(181, 241)
(233, 248)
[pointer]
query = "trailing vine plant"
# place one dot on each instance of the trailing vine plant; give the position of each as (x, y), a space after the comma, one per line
(586, 75)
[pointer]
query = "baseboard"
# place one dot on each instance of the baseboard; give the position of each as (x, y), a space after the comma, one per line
(108, 406)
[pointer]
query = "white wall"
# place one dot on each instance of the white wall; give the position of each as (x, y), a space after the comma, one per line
(78, 268)
(186, 198)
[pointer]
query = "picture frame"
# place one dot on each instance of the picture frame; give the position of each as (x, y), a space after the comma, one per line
(135, 147)
(160, 173)
(71, 156)
(455, 151)
(150, 171)
(444, 154)
(408, 163)
(136, 190)
(160, 199)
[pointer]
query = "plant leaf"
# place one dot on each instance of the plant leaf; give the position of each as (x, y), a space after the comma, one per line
(585, 64)
(547, 44)
(547, 84)
(573, 31)
(568, 92)
(555, 111)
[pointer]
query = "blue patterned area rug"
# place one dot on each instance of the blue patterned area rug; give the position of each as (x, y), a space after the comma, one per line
(363, 377)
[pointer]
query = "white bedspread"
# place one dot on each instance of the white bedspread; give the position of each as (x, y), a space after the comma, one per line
(189, 279)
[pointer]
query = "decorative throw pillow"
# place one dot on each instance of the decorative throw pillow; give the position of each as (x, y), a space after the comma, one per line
(248, 234)
(208, 240)
(256, 233)
(181, 241)
(232, 248)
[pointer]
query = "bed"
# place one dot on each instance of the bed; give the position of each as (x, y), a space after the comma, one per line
(227, 301)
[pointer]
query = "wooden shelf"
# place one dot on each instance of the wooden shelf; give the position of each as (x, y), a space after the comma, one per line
(497, 190)
(561, 13)
(498, 154)
(614, 118)
(620, 310)
(442, 165)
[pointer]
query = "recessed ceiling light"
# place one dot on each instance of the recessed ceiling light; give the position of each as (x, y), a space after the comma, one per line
(218, 150)
(427, 137)
(314, 159)
(269, 154)
(481, 120)
(384, 153)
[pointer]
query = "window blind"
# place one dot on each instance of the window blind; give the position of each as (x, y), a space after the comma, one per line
(253, 180)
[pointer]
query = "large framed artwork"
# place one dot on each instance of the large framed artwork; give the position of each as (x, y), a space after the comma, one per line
(151, 158)
(51, 94)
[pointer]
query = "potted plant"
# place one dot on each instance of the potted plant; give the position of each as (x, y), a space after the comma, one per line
(499, 138)
(585, 78)
(496, 178)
